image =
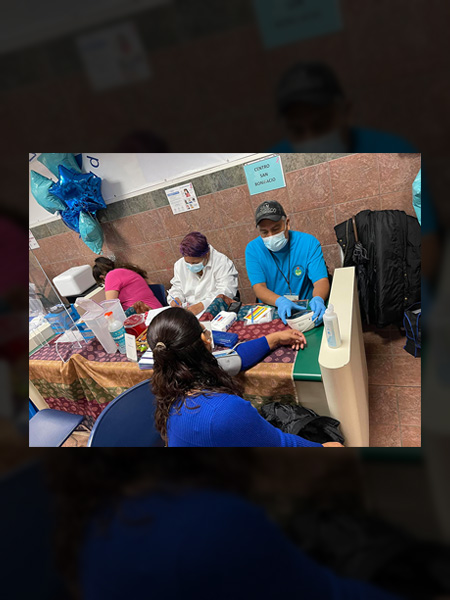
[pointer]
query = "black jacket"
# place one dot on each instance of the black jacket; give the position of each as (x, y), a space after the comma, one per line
(392, 274)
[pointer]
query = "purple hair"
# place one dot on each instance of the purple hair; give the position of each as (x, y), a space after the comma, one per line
(194, 244)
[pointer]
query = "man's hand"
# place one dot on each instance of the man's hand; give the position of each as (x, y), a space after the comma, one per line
(140, 307)
(174, 304)
(286, 308)
(317, 305)
(290, 337)
(196, 308)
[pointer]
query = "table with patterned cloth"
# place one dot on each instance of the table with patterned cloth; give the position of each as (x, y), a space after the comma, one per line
(270, 380)
(87, 381)
(90, 378)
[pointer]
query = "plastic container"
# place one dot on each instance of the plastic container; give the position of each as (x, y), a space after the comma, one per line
(224, 338)
(117, 331)
(95, 320)
(135, 325)
(61, 317)
(331, 326)
(74, 281)
(116, 308)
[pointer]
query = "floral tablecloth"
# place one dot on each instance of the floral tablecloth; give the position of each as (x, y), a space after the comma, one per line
(90, 378)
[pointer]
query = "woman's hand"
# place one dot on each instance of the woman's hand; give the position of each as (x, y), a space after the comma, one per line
(333, 445)
(140, 307)
(289, 337)
(175, 303)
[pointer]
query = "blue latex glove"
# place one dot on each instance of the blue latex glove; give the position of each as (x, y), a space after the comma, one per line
(286, 308)
(317, 305)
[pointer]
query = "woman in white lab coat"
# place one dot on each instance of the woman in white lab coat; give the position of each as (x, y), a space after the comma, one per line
(201, 275)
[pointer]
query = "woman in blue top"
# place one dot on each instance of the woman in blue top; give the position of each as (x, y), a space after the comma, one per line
(141, 525)
(197, 403)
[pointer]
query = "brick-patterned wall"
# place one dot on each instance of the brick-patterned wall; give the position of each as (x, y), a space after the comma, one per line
(144, 231)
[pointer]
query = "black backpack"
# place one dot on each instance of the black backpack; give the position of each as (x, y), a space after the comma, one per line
(412, 325)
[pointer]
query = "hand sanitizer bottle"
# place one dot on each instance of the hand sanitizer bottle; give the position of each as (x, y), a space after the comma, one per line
(117, 331)
(331, 325)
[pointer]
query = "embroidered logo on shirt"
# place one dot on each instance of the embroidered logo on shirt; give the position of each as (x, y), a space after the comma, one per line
(298, 271)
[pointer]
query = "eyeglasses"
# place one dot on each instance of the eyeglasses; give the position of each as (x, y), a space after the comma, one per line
(207, 332)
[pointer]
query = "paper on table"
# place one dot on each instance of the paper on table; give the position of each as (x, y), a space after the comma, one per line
(130, 346)
(152, 314)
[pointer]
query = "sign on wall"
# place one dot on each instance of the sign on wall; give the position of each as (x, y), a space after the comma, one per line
(32, 242)
(182, 198)
(265, 175)
(114, 56)
(288, 21)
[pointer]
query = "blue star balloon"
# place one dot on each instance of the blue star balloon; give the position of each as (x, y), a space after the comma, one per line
(80, 191)
(71, 218)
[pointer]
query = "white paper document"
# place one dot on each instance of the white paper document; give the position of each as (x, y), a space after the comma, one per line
(182, 198)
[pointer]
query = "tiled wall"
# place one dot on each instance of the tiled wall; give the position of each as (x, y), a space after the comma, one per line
(321, 191)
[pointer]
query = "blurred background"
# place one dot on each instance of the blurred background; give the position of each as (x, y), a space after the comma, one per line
(155, 75)
(189, 76)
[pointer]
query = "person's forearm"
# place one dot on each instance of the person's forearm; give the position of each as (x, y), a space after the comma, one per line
(321, 288)
(273, 339)
(264, 294)
(252, 352)
(206, 301)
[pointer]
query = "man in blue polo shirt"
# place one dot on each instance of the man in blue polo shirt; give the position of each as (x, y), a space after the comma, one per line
(316, 114)
(285, 266)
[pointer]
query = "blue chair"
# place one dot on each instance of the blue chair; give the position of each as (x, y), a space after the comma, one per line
(159, 291)
(50, 428)
(32, 410)
(128, 421)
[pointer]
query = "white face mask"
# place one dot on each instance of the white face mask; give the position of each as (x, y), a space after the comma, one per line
(196, 267)
(276, 242)
(329, 142)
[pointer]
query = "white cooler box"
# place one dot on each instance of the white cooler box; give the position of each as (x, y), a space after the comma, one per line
(74, 281)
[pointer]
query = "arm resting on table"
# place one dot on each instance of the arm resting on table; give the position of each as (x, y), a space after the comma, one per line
(253, 352)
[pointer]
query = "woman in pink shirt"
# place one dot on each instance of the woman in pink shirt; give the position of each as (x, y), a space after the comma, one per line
(126, 282)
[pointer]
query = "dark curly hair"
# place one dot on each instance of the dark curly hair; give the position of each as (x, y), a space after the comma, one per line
(183, 364)
(104, 265)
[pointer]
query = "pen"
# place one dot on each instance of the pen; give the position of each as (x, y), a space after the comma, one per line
(252, 314)
(170, 296)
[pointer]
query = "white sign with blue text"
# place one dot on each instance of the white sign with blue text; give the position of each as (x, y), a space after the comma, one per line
(289, 21)
(264, 175)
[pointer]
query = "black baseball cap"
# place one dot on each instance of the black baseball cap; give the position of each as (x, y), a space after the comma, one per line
(309, 83)
(269, 210)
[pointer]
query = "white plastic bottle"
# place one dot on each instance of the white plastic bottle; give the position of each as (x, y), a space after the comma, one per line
(117, 331)
(331, 325)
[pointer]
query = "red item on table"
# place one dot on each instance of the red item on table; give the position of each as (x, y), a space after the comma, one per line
(135, 325)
